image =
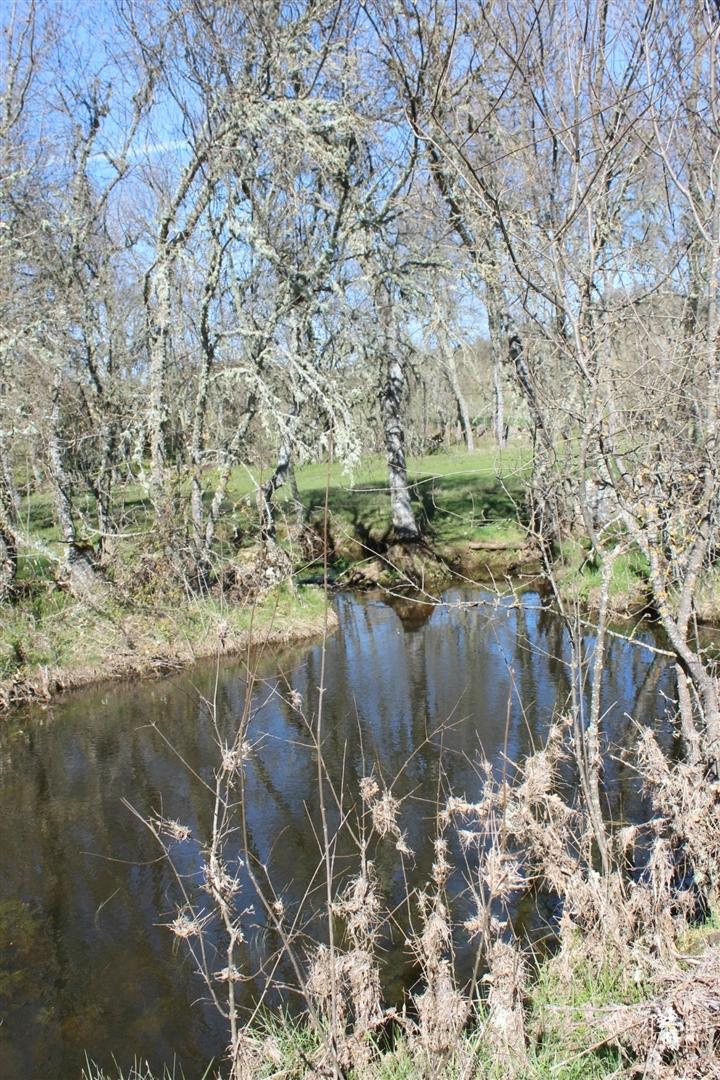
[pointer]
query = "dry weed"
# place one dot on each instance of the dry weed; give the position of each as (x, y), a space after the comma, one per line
(676, 1035)
(507, 979)
(352, 979)
(528, 832)
(687, 801)
(442, 1010)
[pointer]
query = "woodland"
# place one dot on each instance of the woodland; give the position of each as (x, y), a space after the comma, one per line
(304, 295)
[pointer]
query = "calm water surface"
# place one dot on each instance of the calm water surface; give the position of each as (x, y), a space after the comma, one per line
(86, 964)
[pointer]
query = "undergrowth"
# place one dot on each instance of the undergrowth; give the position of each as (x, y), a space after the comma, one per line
(150, 611)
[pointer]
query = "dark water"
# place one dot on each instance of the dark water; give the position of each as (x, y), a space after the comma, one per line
(85, 962)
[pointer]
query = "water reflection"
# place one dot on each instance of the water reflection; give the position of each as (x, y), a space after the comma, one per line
(85, 962)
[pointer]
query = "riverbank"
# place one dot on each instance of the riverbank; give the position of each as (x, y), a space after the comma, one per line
(65, 643)
(52, 641)
(434, 697)
(146, 620)
(579, 1017)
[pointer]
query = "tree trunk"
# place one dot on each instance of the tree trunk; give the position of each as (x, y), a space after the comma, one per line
(499, 426)
(8, 543)
(495, 326)
(268, 489)
(79, 561)
(157, 302)
(196, 490)
(461, 403)
(590, 759)
(202, 540)
(545, 507)
(104, 479)
(297, 501)
(8, 524)
(229, 456)
(8, 560)
(403, 519)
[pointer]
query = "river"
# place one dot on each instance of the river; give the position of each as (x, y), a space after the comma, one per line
(416, 693)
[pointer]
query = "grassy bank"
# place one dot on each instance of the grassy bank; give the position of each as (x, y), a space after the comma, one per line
(579, 579)
(56, 642)
(472, 509)
(631, 988)
(458, 497)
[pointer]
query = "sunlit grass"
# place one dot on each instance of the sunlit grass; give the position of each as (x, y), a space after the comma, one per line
(139, 1070)
(458, 498)
(580, 578)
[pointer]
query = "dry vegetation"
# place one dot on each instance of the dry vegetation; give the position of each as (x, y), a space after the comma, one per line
(632, 985)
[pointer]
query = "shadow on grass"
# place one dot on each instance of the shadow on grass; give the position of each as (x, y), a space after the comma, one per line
(448, 508)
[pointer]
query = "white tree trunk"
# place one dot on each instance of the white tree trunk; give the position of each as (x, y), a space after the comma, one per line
(268, 489)
(403, 519)
(79, 562)
(158, 313)
(8, 523)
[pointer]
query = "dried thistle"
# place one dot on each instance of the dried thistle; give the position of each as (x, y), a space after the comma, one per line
(228, 974)
(442, 1009)
(219, 881)
(295, 699)
(501, 873)
(368, 788)
(384, 812)
(234, 756)
(186, 925)
(172, 829)
(441, 867)
(675, 1035)
(384, 815)
(506, 978)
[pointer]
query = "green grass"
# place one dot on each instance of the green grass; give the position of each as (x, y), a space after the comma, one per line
(291, 1046)
(580, 578)
(696, 938)
(294, 1042)
(456, 496)
(563, 1024)
(140, 1070)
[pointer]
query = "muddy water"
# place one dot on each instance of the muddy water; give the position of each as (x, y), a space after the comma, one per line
(418, 694)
